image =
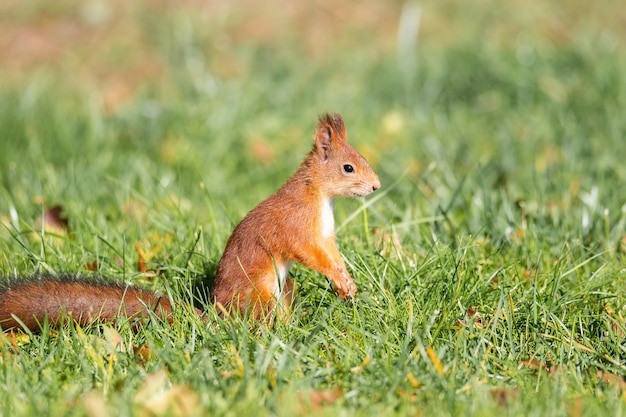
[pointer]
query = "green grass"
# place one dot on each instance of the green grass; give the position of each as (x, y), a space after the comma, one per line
(490, 266)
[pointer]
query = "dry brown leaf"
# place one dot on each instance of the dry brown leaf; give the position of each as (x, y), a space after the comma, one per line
(14, 339)
(141, 258)
(149, 248)
(472, 316)
(612, 380)
(317, 399)
(535, 364)
(144, 352)
(91, 266)
(503, 395)
(53, 222)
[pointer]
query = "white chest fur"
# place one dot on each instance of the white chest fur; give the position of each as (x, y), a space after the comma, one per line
(328, 219)
(282, 271)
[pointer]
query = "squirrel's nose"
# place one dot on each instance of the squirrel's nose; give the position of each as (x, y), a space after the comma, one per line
(376, 185)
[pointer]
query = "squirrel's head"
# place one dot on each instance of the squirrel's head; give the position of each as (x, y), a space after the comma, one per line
(345, 172)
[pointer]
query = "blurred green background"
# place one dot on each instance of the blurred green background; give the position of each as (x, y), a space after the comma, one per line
(214, 103)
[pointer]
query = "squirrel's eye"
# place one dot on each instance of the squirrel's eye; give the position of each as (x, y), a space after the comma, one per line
(348, 168)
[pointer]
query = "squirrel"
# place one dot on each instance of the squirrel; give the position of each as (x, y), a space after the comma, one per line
(296, 224)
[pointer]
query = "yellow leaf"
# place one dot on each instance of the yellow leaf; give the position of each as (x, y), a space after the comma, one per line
(435, 360)
(412, 380)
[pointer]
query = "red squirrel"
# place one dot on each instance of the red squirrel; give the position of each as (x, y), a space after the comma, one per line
(294, 225)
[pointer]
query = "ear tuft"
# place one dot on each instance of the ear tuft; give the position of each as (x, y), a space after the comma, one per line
(339, 127)
(330, 129)
(335, 122)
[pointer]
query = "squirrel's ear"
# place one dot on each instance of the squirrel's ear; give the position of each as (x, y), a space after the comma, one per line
(330, 130)
(323, 140)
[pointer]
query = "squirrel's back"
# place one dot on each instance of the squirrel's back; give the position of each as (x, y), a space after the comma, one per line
(28, 301)
(295, 225)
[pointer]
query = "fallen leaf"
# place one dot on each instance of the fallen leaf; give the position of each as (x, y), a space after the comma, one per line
(611, 380)
(52, 221)
(14, 339)
(316, 399)
(144, 352)
(53, 218)
(412, 380)
(141, 258)
(149, 248)
(472, 316)
(535, 364)
(503, 395)
(435, 360)
(91, 266)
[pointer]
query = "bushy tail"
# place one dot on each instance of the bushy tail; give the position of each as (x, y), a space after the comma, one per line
(84, 300)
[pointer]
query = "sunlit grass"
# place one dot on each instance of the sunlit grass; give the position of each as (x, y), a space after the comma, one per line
(490, 265)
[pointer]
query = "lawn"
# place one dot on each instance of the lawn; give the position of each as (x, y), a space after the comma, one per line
(491, 265)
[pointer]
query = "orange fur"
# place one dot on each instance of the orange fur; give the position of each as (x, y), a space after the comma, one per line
(288, 227)
(84, 301)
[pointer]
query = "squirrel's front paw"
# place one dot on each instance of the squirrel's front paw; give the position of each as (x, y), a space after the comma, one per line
(345, 286)
(351, 289)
